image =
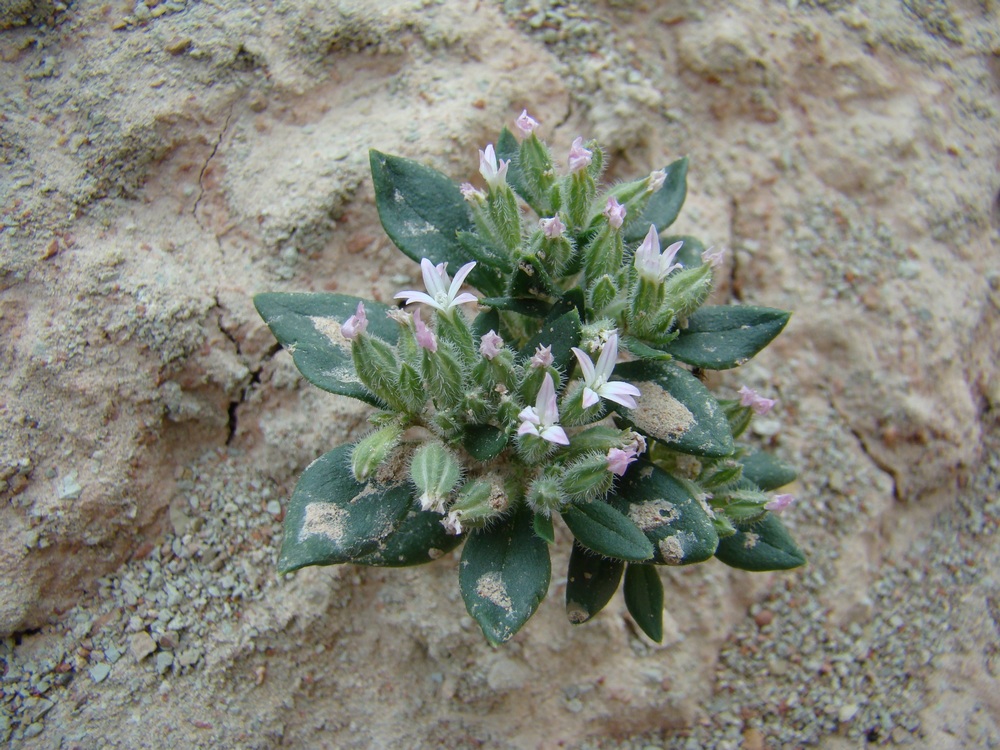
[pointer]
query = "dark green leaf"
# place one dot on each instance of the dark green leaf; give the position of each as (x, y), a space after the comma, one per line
(504, 575)
(308, 326)
(332, 518)
(419, 539)
(725, 336)
(532, 308)
(678, 526)
(486, 321)
(765, 545)
(767, 471)
(591, 581)
(601, 528)
(677, 409)
(543, 527)
(665, 204)
(484, 442)
(562, 334)
(644, 351)
(423, 211)
(644, 599)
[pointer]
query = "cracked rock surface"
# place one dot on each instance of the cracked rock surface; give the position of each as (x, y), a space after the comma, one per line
(161, 162)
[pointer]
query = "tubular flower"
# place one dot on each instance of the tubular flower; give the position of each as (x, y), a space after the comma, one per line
(425, 336)
(494, 174)
(579, 157)
(614, 212)
(653, 264)
(542, 419)
(490, 345)
(525, 123)
(779, 503)
(760, 405)
(553, 228)
(442, 292)
(596, 377)
(356, 324)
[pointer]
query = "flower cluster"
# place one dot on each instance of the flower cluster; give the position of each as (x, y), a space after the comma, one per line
(566, 386)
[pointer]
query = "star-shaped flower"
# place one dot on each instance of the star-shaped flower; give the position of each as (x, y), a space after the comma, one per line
(490, 345)
(542, 356)
(542, 419)
(596, 378)
(619, 459)
(553, 228)
(650, 262)
(442, 292)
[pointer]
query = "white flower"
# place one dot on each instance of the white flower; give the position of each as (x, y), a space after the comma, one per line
(652, 264)
(579, 157)
(525, 123)
(442, 292)
(596, 377)
(542, 419)
(493, 173)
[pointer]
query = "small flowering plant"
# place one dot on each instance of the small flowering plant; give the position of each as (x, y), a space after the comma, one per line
(569, 385)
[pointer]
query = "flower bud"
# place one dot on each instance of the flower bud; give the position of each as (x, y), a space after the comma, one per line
(603, 293)
(434, 471)
(587, 478)
(443, 376)
(544, 494)
(477, 503)
(743, 506)
(375, 363)
(373, 450)
(537, 172)
(687, 290)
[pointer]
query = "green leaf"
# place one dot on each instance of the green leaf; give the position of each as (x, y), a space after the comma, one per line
(765, 545)
(664, 206)
(601, 528)
(676, 524)
(486, 321)
(484, 442)
(543, 527)
(332, 518)
(308, 326)
(644, 599)
(591, 581)
(423, 211)
(725, 336)
(676, 409)
(644, 351)
(532, 308)
(767, 471)
(419, 539)
(504, 575)
(562, 334)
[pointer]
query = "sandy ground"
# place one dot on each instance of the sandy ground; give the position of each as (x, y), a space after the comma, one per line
(162, 162)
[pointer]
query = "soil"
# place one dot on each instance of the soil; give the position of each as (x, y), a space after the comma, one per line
(163, 161)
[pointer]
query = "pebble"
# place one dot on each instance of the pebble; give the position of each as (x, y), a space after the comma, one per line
(141, 645)
(99, 672)
(164, 660)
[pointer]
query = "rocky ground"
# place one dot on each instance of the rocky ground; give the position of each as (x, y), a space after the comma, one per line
(164, 161)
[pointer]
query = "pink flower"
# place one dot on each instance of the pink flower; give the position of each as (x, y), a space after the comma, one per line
(579, 157)
(542, 419)
(490, 345)
(525, 123)
(596, 378)
(760, 405)
(553, 228)
(779, 503)
(425, 336)
(542, 357)
(650, 262)
(494, 174)
(442, 292)
(713, 257)
(614, 212)
(356, 324)
(618, 460)
(655, 180)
